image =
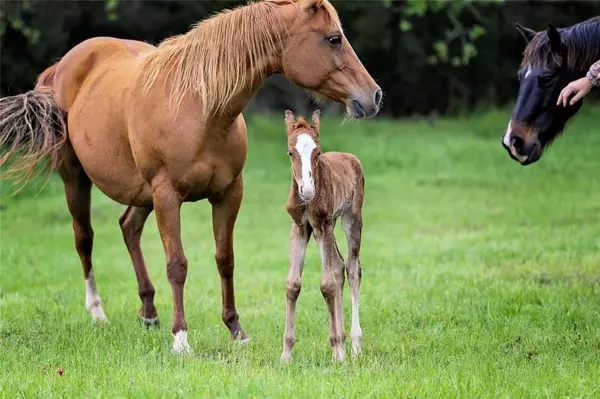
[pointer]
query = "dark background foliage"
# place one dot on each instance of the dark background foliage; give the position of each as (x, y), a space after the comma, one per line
(429, 57)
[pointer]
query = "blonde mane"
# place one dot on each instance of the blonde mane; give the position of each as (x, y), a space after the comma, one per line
(217, 56)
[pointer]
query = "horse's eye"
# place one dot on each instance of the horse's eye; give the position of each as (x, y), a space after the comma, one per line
(335, 41)
(289, 153)
(545, 80)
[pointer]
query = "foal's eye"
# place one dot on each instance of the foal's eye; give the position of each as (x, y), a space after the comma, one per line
(289, 153)
(335, 41)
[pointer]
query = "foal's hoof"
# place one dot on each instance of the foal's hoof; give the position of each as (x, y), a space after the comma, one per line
(153, 322)
(339, 355)
(356, 349)
(285, 358)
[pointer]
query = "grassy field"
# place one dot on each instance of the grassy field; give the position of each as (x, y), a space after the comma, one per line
(481, 278)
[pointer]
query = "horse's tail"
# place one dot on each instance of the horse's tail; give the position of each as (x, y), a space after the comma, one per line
(32, 131)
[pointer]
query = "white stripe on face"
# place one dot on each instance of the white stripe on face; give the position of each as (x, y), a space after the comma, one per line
(528, 72)
(506, 138)
(305, 146)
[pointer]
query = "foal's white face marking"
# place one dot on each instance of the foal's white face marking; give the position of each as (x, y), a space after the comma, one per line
(305, 145)
(528, 72)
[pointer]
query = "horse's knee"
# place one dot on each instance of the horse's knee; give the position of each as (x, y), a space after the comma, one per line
(177, 269)
(328, 288)
(293, 289)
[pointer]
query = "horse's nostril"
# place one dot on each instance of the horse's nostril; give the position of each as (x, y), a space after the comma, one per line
(378, 97)
(517, 143)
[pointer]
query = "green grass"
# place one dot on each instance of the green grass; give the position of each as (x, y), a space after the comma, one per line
(481, 278)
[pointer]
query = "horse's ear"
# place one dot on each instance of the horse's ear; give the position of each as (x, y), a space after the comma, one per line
(290, 119)
(555, 40)
(316, 120)
(527, 33)
(312, 6)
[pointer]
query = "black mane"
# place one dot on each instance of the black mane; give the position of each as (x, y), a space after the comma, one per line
(582, 42)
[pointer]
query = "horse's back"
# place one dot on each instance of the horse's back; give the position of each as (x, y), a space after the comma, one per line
(341, 163)
(89, 57)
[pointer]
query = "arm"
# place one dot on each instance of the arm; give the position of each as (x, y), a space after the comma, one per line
(581, 87)
(594, 74)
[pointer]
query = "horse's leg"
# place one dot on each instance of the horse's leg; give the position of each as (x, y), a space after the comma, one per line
(132, 223)
(352, 225)
(167, 205)
(299, 237)
(332, 287)
(225, 209)
(78, 189)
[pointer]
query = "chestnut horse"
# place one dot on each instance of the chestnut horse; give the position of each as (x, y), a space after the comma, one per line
(324, 187)
(153, 127)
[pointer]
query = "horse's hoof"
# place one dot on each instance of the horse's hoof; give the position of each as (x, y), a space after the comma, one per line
(240, 337)
(180, 344)
(153, 322)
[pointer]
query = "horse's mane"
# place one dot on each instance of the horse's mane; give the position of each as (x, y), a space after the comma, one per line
(217, 56)
(581, 40)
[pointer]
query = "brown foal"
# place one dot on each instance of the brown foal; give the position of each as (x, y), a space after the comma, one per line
(324, 187)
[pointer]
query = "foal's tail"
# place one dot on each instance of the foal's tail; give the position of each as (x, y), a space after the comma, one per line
(32, 130)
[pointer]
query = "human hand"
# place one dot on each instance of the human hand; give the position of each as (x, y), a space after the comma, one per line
(580, 87)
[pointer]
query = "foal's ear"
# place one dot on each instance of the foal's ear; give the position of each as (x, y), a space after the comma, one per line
(527, 33)
(555, 40)
(290, 119)
(316, 120)
(312, 6)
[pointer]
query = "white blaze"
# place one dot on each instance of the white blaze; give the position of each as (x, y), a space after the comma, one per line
(528, 72)
(305, 146)
(506, 138)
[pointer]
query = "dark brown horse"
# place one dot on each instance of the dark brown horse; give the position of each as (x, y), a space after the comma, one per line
(551, 60)
(324, 187)
(153, 127)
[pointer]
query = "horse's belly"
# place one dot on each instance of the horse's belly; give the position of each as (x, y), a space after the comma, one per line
(103, 149)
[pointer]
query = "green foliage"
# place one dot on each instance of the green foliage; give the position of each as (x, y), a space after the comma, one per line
(459, 32)
(480, 279)
(450, 56)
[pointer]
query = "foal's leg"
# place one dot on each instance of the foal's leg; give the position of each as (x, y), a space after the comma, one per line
(332, 287)
(299, 237)
(132, 223)
(167, 205)
(78, 188)
(352, 225)
(224, 213)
